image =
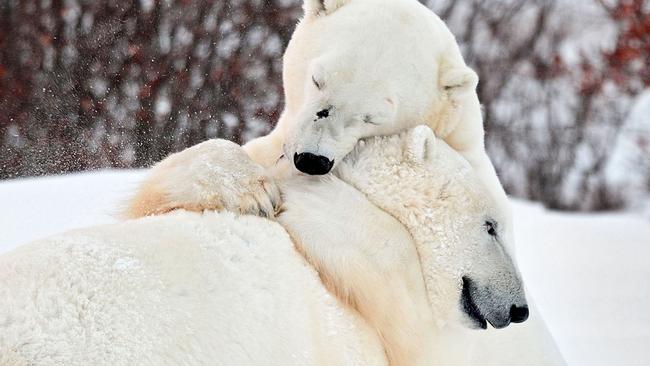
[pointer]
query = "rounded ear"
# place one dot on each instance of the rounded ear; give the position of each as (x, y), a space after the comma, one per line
(322, 7)
(421, 142)
(458, 81)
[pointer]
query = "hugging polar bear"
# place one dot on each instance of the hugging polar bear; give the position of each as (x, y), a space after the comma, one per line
(353, 69)
(212, 288)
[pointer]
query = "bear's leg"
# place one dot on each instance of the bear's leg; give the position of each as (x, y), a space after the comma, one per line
(213, 175)
(265, 150)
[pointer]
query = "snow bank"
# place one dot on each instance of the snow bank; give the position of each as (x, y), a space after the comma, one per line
(36, 207)
(587, 273)
(589, 276)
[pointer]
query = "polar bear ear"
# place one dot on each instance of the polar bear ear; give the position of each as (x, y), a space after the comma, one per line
(458, 81)
(421, 142)
(322, 7)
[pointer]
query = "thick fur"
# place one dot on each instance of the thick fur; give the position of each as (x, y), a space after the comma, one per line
(190, 288)
(244, 187)
(310, 202)
(380, 67)
(375, 272)
(392, 60)
(212, 288)
(178, 289)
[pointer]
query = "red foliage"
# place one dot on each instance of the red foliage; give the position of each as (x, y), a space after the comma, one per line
(630, 59)
(123, 83)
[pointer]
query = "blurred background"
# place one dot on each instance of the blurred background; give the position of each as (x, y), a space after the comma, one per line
(117, 85)
(94, 84)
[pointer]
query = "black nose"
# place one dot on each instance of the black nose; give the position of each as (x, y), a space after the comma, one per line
(311, 164)
(518, 314)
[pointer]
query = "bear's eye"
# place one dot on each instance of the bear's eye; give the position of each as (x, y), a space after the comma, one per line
(368, 119)
(318, 85)
(323, 113)
(491, 228)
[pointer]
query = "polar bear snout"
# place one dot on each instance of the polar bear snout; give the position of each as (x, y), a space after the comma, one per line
(484, 304)
(312, 164)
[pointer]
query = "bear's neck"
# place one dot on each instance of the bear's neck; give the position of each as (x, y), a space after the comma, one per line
(376, 274)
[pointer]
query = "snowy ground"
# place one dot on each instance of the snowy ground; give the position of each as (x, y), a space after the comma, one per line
(589, 274)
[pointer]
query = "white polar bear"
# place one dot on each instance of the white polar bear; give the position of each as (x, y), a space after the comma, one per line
(355, 69)
(192, 289)
(179, 289)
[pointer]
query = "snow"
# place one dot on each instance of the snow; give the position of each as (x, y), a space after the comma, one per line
(33, 208)
(589, 276)
(587, 273)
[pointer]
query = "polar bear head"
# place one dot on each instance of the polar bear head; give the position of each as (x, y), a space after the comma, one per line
(362, 68)
(434, 193)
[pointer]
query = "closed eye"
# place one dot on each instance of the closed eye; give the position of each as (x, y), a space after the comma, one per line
(318, 85)
(491, 228)
(368, 119)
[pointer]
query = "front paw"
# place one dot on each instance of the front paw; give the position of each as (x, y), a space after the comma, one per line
(260, 197)
(213, 175)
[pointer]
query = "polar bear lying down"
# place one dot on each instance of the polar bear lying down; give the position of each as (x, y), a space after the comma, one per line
(188, 288)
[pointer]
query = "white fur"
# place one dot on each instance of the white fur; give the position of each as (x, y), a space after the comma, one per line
(382, 67)
(391, 62)
(178, 289)
(188, 288)
(244, 187)
(391, 59)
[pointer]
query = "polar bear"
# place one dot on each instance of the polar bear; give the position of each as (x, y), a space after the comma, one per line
(195, 174)
(428, 204)
(355, 69)
(179, 289)
(189, 287)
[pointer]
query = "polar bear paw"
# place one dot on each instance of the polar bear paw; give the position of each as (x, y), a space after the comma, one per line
(214, 175)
